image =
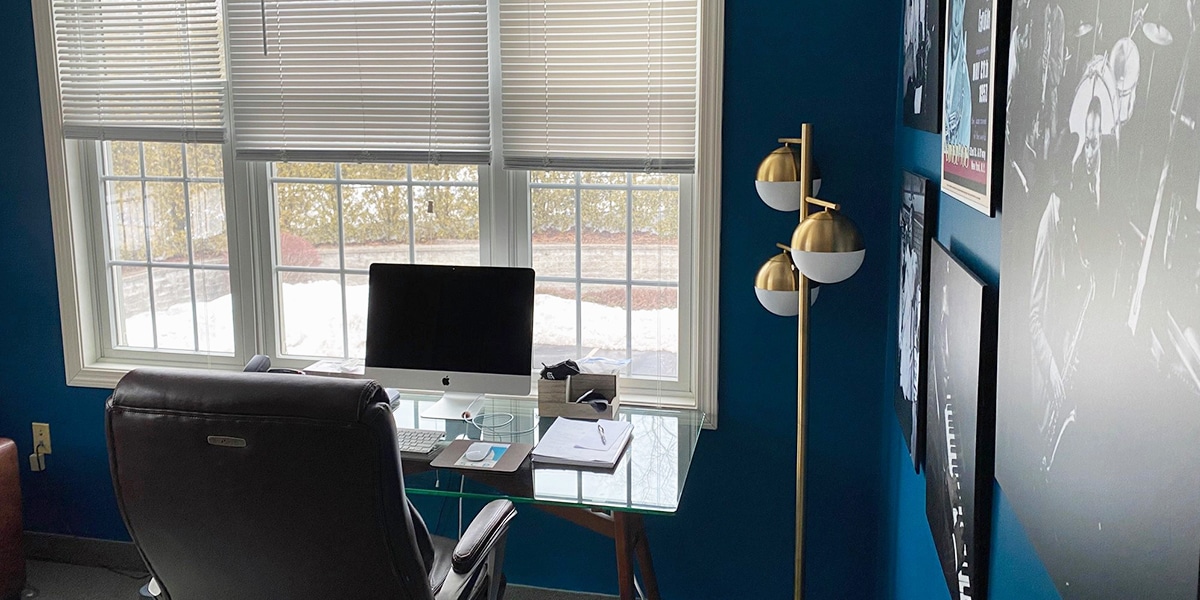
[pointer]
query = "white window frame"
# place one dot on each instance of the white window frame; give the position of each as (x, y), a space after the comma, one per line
(503, 219)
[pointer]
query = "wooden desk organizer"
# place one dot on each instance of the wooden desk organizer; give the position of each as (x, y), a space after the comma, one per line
(556, 397)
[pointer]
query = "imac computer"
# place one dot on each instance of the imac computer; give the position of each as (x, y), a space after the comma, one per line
(463, 331)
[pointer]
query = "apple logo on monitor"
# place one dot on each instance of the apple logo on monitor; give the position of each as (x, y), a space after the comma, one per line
(446, 380)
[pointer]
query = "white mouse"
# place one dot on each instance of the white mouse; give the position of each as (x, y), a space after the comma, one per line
(477, 452)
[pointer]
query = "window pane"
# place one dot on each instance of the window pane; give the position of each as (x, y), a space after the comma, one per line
(556, 177)
(446, 224)
(656, 235)
(163, 159)
(124, 159)
(126, 220)
(596, 178)
(555, 323)
(210, 245)
(655, 332)
(168, 222)
(311, 314)
(604, 315)
(205, 160)
(356, 314)
(173, 319)
(375, 220)
(459, 173)
(214, 309)
(307, 224)
(552, 212)
(603, 226)
(305, 170)
(133, 323)
(376, 171)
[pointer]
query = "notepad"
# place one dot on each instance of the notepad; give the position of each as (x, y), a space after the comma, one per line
(579, 443)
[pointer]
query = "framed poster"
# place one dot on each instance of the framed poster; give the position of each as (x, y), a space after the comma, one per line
(918, 204)
(973, 101)
(923, 64)
(1098, 407)
(961, 422)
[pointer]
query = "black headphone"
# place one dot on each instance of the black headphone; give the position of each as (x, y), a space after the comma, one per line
(597, 400)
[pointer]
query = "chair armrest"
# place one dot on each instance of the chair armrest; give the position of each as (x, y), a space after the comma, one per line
(489, 526)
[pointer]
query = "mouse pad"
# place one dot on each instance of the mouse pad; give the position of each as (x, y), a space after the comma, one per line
(506, 457)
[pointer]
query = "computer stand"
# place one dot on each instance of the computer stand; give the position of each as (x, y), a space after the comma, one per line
(455, 406)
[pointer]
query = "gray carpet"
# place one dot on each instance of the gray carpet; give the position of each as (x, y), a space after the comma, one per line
(60, 581)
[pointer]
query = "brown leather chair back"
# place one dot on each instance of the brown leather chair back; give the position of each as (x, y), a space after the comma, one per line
(12, 559)
(262, 485)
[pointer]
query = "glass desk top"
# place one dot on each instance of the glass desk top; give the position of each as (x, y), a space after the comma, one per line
(649, 477)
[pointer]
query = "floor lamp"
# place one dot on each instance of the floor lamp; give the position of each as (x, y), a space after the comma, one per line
(826, 248)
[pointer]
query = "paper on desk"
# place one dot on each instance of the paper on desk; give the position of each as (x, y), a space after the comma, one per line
(572, 442)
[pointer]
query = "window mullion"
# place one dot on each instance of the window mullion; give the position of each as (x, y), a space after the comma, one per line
(578, 263)
(191, 255)
(147, 224)
(255, 207)
(629, 271)
(341, 227)
(107, 304)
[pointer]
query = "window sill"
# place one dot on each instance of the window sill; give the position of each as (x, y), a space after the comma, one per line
(106, 373)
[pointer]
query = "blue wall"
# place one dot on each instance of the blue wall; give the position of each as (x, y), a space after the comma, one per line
(830, 63)
(1015, 571)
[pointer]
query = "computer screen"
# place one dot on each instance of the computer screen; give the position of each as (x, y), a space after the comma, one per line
(450, 328)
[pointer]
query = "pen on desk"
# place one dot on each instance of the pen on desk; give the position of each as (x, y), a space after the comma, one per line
(600, 428)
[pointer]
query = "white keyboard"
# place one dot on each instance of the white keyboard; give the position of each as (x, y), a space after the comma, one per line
(419, 441)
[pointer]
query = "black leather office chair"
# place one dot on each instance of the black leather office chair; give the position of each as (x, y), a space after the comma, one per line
(262, 485)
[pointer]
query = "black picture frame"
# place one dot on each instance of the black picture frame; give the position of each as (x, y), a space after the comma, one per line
(922, 64)
(1098, 399)
(974, 98)
(918, 221)
(960, 421)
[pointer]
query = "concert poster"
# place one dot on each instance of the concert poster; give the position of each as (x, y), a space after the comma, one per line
(973, 101)
(960, 417)
(917, 221)
(1098, 400)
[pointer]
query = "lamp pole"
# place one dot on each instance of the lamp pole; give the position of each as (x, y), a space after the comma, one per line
(826, 247)
(806, 136)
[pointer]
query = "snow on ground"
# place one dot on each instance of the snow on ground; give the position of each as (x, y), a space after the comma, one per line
(312, 323)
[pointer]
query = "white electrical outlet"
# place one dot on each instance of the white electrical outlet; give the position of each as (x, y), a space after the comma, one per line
(41, 438)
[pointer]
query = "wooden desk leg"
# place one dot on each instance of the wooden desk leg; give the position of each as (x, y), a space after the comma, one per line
(645, 565)
(625, 537)
(629, 532)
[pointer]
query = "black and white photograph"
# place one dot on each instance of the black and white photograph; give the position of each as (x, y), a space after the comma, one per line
(961, 420)
(972, 118)
(1098, 407)
(923, 64)
(918, 205)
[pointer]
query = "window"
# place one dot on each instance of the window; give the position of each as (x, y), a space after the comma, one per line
(167, 258)
(606, 252)
(330, 221)
(222, 186)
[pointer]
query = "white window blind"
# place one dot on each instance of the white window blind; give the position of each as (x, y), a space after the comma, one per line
(146, 70)
(599, 84)
(360, 80)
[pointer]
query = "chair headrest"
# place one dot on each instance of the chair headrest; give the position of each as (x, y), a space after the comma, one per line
(250, 394)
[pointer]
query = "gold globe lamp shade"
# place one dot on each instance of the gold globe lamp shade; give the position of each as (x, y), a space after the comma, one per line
(778, 180)
(778, 285)
(827, 246)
